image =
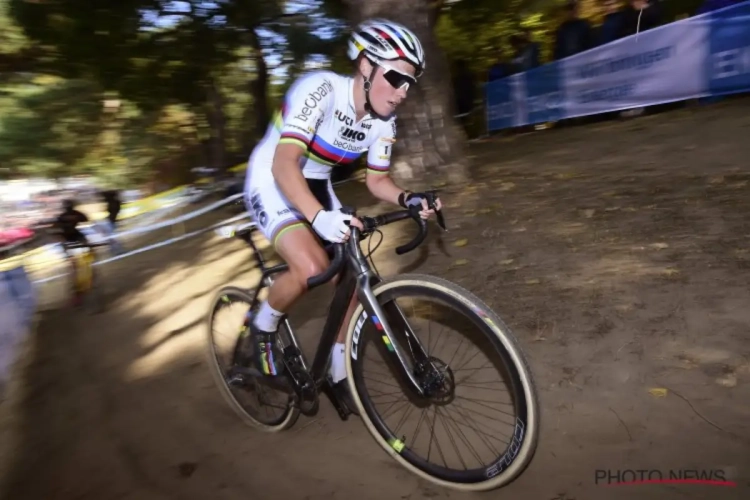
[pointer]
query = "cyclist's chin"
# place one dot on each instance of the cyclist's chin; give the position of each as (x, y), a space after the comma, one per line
(385, 108)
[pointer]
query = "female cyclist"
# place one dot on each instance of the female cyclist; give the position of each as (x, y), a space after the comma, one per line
(326, 120)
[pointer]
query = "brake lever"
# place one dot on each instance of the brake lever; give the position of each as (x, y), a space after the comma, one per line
(431, 197)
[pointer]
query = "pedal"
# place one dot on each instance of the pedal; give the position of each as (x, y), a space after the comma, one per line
(235, 380)
(281, 383)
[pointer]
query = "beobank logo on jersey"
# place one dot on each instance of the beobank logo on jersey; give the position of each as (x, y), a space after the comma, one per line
(313, 99)
(347, 146)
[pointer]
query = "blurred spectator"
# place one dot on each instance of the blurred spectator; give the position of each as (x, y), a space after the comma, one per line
(526, 52)
(611, 26)
(114, 204)
(574, 35)
(500, 69)
(639, 16)
(463, 88)
(112, 199)
(712, 5)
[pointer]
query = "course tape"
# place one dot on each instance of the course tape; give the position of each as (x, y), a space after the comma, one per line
(160, 244)
(172, 198)
(39, 257)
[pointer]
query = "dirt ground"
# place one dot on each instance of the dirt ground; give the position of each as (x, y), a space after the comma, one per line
(619, 253)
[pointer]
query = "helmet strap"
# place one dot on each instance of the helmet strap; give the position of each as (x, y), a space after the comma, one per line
(367, 86)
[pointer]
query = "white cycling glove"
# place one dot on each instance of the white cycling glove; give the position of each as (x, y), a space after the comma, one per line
(331, 225)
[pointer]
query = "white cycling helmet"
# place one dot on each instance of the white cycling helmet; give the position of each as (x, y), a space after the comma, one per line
(385, 40)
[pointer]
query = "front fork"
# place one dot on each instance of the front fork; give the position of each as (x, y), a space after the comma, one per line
(387, 319)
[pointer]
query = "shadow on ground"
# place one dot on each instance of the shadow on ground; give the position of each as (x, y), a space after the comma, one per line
(617, 253)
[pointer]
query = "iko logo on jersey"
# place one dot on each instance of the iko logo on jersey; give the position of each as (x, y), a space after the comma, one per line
(312, 100)
(355, 135)
(261, 216)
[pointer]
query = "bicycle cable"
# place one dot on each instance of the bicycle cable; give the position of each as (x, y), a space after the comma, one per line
(370, 250)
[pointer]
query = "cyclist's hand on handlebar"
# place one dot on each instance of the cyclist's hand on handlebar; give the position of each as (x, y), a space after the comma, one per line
(407, 200)
(333, 225)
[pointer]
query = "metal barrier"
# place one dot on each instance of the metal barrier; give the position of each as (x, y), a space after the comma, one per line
(154, 227)
(17, 306)
(21, 296)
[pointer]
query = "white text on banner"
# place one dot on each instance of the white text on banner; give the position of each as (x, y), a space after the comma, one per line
(662, 65)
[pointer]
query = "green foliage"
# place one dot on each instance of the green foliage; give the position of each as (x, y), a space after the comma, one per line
(110, 88)
(50, 123)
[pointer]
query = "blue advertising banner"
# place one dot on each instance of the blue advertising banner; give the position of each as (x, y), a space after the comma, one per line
(697, 57)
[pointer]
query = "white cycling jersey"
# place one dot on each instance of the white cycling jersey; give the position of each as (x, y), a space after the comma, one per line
(317, 114)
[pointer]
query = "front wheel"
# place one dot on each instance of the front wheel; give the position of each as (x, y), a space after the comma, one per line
(476, 429)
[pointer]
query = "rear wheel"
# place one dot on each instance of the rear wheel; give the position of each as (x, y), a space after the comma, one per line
(257, 404)
(477, 427)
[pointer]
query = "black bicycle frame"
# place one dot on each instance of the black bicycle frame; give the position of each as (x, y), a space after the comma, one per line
(361, 280)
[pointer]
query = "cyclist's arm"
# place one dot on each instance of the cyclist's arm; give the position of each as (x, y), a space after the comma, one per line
(305, 106)
(377, 179)
(292, 183)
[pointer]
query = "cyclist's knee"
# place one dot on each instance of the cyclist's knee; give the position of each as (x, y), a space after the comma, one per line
(305, 265)
(314, 267)
(304, 255)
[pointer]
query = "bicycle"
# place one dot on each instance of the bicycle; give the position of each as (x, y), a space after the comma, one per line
(429, 382)
(85, 285)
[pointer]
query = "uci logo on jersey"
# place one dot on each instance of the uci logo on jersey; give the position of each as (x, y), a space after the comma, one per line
(352, 135)
(343, 118)
(312, 100)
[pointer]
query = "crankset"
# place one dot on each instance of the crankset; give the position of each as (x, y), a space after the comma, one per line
(302, 382)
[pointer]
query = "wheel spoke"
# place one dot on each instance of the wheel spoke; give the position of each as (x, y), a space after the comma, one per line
(261, 405)
(469, 422)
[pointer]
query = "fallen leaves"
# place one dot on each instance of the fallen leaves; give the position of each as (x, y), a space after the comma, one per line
(729, 380)
(658, 392)
(659, 246)
(588, 213)
(670, 272)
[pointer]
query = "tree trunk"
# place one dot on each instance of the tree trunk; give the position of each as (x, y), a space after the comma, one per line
(259, 91)
(430, 143)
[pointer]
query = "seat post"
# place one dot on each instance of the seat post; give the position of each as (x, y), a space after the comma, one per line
(248, 238)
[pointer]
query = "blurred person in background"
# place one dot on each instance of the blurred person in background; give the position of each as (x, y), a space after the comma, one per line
(574, 34)
(67, 223)
(611, 27)
(500, 69)
(525, 52)
(639, 16)
(113, 204)
(464, 92)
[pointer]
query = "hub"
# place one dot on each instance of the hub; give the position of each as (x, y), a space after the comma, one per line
(436, 379)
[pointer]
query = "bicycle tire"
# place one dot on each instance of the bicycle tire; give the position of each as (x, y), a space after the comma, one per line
(291, 413)
(494, 475)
